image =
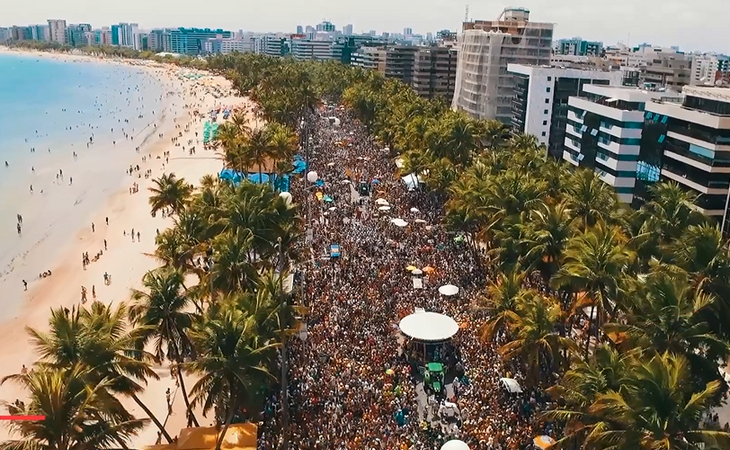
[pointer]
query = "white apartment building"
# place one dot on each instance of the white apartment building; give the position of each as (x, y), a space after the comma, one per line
(708, 68)
(371, 58)
(311, 49)
(57, 30)
(220, 45)
(484, 88)
(129, 36)
(604, 130)
(540, 104)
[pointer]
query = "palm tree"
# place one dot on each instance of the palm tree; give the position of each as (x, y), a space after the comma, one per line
(593, 264)
(502, 300)
(670, 211)
(536, 340)
(547, 235)
(232, 364)
(78, 415)
(590, 199)
(666, 313)
(656, 409)
(97, 338)
(169, 192)
(161, 312)
(235, 267)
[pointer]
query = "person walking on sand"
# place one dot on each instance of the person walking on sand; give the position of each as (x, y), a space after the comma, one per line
(20, 229)
(93, 291)
(25, 285)
(104, 244)
(92, 227)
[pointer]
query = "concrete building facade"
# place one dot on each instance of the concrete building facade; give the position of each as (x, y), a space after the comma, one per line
(578, 47)
(708, 69)
(434, 72)
(57, 30)
(542, 93)
(484, 88)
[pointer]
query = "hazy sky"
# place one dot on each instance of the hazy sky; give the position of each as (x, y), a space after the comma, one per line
(691, 24)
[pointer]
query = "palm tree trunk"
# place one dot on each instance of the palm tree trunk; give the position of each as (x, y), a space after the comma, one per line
(188, 409)
(219, 443)
(152, 417)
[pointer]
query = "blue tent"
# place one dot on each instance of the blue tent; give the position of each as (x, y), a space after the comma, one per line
(230, 175)
(258, 178)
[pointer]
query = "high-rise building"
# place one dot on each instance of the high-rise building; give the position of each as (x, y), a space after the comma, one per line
(484, 89)
(708, 69)
(127, 35)
(57, 30)
(347, 30)
(76, 34)
(434, 72)
(540, 105)
(578, 47)
(307, 49)
(300, 29)
(669, 70)
(407, 32)
(5, 34)
(40, 33)
(692, 142)
(191, 41)
(604, 133)
(326, 26)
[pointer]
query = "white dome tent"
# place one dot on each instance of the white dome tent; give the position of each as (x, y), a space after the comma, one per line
(428, 326)
(455, 444)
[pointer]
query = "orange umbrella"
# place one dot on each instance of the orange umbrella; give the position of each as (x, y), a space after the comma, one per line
(428, 269)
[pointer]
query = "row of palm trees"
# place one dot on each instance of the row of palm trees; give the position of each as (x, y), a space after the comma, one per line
(650, 285)
(246, 148)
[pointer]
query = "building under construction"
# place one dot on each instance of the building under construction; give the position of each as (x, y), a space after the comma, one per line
(484, 88)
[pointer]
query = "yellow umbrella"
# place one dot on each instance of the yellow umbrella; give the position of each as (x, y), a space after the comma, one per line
(411, 268)
(543, 441)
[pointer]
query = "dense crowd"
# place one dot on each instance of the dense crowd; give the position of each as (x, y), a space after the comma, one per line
(352, 384)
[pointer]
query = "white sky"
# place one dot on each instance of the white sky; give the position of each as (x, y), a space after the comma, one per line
(691, 24)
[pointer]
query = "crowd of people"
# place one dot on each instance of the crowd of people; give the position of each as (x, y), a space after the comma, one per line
(352, 385)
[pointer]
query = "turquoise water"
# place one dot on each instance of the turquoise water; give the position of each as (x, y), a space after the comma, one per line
(86, 119)
(47, 103)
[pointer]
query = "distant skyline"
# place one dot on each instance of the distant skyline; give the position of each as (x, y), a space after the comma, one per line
(691, 25)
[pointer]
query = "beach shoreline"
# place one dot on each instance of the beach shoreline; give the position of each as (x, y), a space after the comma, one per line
(124, 257)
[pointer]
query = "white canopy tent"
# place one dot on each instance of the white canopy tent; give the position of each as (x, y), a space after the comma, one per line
(511, 385)
(417, 272)
(399, 223)
(448, 290)
(412, 181)
(455, 444)
(382, 202)
(428, 326)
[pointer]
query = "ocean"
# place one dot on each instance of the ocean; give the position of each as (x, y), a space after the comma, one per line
(82, 118)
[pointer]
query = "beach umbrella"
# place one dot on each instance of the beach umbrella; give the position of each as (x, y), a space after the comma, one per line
(384, 208)
(390, 372)
(448, 290)
(399, 223)
(455, 444)
(312, 176)
(411, 268)
(417, 272)
(286, 196)
(543, 441)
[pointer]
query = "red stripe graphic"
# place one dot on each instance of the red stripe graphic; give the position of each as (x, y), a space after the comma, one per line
(35, 418)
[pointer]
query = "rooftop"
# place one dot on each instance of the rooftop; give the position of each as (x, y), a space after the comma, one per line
(721, 94)
(630, 94)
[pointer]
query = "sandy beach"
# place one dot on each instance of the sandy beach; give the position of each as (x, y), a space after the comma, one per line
(126, 261)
